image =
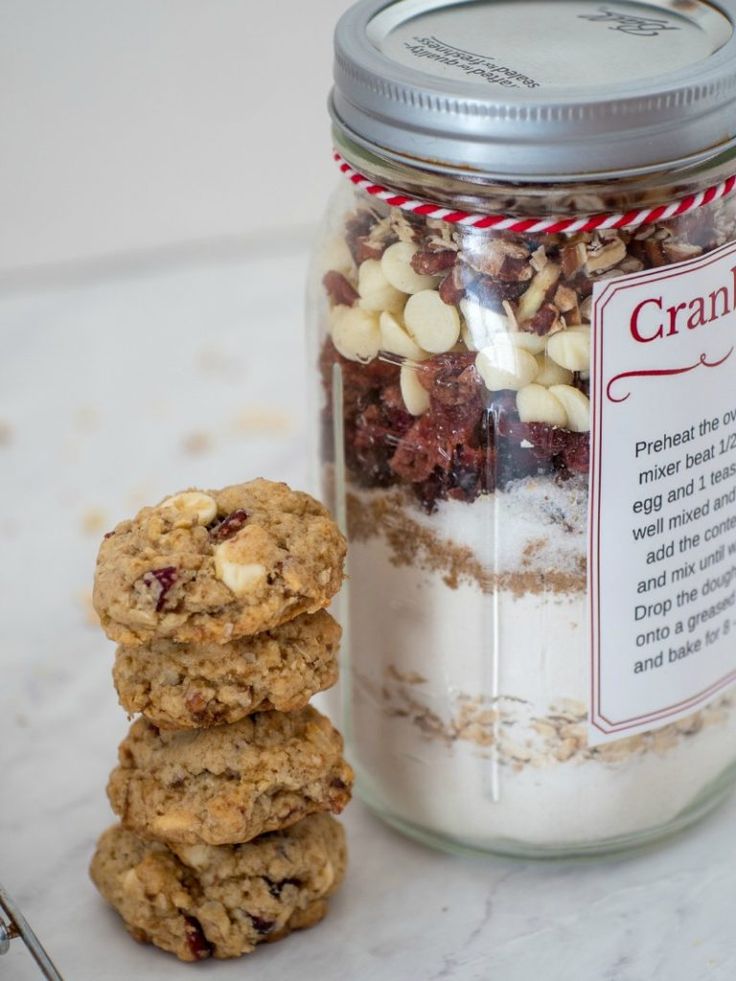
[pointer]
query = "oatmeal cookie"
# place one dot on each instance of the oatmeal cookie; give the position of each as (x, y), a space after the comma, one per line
(204, 901)
(193, 686)
(228, 784)
(212, 566)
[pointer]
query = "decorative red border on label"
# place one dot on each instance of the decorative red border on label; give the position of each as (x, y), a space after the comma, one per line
(599, 386)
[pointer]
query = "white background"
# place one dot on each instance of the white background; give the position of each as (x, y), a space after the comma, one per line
(137, 124)
(152, 263)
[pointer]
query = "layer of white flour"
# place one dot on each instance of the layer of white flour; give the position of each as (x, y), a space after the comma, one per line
(415, 643)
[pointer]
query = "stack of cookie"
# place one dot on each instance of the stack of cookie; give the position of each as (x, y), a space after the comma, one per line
(226, 781)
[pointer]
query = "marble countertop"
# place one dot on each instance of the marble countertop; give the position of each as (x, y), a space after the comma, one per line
(117, 385)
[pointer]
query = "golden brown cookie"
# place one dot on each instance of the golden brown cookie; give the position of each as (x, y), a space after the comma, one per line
(229, 784)
(204, 901)
(213, 566)
(192, 686)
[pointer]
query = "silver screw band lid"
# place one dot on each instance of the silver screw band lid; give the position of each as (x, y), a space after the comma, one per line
(538, 89)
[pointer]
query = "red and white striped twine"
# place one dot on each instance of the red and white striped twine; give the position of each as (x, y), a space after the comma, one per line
(534, 226)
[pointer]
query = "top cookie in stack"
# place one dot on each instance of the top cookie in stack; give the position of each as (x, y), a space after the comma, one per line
(216, 598)
(214, 566)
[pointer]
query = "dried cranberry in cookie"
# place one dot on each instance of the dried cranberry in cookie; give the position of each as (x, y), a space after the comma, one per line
(212, 566)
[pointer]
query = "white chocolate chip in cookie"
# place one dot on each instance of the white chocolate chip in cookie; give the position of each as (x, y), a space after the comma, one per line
(192, 508)
(577, 407)
(395, 340)
(433, 324)
(571, 348)
(415, 395)
(355, 333)
(239, 579)
(551, 373)
(503, 366)
(537, 404)
(376, 293)
(396, 266)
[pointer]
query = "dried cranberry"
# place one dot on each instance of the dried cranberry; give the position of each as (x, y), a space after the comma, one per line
(261, 926)
(276, 888)
(163, 581)
(229, 526)
(198, 944)
(576, 454)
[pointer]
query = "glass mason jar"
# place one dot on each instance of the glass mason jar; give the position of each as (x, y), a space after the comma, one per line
(526, 254)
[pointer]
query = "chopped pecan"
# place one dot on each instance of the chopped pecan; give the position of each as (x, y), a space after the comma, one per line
(545, 320)
(433, 263)
(339, 289)
(601, 257)
(452, 287)
(573, 257)
(502, 260)
(680, 251)
(655, 252)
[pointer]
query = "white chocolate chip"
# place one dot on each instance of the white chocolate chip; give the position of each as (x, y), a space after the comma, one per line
(571, 348)
(528, 341)
(336, 256)
(395, 340)
(172, 821)
(396, 267)
(505, 367)
(551, 373)
(577, 407)
(415, 395)
(355, 333)
(433, 324)
(537, 404)
(192, 507)
(376, 293)
(482, 325)
(240, 578)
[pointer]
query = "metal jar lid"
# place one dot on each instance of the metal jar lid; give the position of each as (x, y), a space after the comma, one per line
(538, 89)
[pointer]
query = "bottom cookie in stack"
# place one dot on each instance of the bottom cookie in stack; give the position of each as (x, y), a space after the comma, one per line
(200, 901)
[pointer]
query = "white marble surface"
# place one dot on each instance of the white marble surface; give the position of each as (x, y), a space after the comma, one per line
(107, 389)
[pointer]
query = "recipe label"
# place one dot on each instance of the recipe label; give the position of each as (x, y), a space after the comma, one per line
(662, 551)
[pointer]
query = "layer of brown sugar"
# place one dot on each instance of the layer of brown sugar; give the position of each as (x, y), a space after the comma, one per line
(414, 544)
